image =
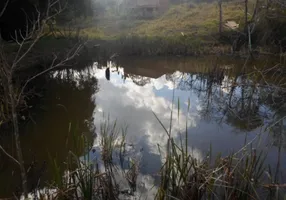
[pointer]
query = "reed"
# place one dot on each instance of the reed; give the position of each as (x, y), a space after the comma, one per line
(240, 175)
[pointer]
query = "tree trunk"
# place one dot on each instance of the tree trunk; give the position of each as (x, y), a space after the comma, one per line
(245, 14)
(16, 135)
(267, 5)
(220, 16)
(255, 11)
(249, 39)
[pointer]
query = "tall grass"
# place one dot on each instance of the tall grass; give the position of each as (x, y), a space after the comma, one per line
(240, 175)
(93, 176)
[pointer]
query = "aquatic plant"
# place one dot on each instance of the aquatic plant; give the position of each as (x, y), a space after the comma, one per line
(240, 175)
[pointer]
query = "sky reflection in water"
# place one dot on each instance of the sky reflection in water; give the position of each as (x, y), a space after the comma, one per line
(133, 91)
(132, 99)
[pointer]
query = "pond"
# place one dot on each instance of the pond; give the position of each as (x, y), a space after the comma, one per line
(220, 99)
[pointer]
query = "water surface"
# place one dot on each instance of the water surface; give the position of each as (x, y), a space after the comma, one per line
(219, 98)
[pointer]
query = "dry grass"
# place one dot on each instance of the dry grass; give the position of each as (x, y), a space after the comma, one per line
(182, 30)
(197, 20)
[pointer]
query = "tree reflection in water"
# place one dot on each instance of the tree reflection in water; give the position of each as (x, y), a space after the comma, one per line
(64, 109)
(239, 100)
(238, 94)
(243, 100)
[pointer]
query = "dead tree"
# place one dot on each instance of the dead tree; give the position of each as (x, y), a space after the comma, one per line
(8, 68)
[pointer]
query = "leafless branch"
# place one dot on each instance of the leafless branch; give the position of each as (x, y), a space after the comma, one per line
(10, 156)
(35, 32)
(4, 8)
(70, 55)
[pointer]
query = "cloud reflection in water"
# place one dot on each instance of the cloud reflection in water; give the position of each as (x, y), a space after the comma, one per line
(132, 105)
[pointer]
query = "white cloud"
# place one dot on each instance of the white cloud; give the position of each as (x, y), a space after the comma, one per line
(131, 104)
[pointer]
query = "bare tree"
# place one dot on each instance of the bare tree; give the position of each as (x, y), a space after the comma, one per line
(220, 16)
(26, 40)
(4, 8)
(245, 13)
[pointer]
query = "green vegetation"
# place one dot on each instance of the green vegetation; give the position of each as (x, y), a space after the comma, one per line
(191, 26)
(196, 20)
(237, 176)
(157, 46)
(187, 29)
(240, 175)
(184, 29)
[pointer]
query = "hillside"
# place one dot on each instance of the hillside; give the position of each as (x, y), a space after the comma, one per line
(198, 20)
(183, 29)
(191, 19)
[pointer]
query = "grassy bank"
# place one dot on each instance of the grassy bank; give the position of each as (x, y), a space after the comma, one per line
(186, 29)
(196, 20)
(158, 46)
(199, 20)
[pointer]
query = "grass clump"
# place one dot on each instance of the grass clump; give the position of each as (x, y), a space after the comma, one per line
(237, 176)
(240, 175)
(94, 175)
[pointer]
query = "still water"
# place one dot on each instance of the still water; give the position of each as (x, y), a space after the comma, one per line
(220, 100)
